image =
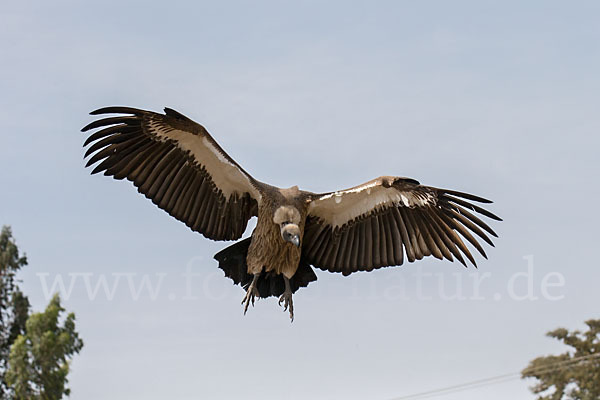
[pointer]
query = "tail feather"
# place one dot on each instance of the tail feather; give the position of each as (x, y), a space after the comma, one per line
(232, 260)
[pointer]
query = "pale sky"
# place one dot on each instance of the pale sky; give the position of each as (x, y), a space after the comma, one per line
(495, 98)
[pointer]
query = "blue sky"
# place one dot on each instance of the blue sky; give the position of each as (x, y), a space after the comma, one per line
(494, 98)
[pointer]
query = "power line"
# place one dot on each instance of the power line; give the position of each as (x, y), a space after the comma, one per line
(557, 366)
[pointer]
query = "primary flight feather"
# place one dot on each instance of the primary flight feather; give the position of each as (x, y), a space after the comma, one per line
(175, 163)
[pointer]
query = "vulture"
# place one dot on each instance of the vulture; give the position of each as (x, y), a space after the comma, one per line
(176, 163)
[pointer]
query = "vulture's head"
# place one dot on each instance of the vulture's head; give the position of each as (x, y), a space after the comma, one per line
(288, 220)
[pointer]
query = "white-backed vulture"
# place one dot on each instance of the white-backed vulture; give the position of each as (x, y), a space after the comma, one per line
(174, 162)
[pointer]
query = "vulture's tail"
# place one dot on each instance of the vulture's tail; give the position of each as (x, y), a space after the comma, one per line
(232, 260)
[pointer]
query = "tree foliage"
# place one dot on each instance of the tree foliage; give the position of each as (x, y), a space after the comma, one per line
(574, 375)
(34, 350)
(14, 305)
(39, 359)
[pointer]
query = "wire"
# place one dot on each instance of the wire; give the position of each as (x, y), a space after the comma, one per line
(557, 366)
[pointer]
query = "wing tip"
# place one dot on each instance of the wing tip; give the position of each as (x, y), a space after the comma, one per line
(175, 114)
(468, 196)
(117, 110)
(488, 214)
(87, 127)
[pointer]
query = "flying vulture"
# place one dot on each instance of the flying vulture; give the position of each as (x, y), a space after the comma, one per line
(175, 162)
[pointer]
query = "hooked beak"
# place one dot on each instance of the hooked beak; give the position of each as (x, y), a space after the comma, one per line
(291, 233)
(295, 240)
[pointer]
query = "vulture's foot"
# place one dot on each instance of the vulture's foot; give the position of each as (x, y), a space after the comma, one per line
(251, 294)
(286, 299)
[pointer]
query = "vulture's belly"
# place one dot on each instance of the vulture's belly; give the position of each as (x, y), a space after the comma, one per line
(268, 250)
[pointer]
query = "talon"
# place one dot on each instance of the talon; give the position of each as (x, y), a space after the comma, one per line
(251, 294)
(286, 298)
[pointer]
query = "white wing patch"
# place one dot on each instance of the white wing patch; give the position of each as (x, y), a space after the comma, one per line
(357, 189)
(341, 207)
(225, 174)
(216, 152)
(404, 200)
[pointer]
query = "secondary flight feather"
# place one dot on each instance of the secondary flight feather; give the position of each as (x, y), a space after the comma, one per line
(177, 164)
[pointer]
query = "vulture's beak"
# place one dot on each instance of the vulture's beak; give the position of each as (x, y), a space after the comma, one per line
(291, 233)
(295, 240)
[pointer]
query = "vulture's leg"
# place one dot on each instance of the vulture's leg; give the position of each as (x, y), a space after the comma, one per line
(251, 293)
(286, 298)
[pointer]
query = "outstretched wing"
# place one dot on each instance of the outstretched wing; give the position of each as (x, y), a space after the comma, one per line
(379, 222)
(175, 162)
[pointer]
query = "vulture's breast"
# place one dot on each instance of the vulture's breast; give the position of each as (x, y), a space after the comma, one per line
(268, 250)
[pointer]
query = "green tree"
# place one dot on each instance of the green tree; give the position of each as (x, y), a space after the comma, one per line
(14, 305)
(574, 375)
(39, 359)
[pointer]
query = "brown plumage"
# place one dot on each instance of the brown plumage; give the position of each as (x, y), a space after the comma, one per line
(175, 163)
